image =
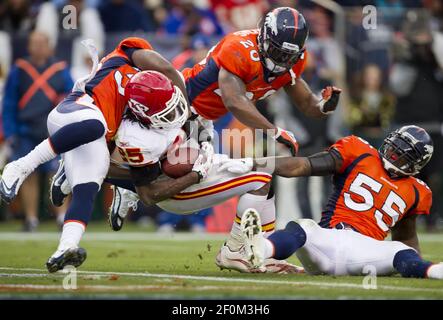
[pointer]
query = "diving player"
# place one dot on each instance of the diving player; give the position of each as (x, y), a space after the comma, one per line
(250, 65)
(80, 127)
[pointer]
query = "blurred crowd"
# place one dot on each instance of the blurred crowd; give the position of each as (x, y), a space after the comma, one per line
(392, 75)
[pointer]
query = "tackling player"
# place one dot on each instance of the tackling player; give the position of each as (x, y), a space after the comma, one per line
(80, 127)
(375, 192)
(250, 65)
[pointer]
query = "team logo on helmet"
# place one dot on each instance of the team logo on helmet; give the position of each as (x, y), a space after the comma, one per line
(271, 22)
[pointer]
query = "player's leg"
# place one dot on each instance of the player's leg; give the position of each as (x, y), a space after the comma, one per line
(345, 252)
(85, 168)
(70, 125)
(409, 264)
(262, 200)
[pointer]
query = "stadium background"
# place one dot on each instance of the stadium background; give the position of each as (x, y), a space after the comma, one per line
(371, 65)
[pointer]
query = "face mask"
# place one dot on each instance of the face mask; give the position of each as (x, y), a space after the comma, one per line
(272, 67)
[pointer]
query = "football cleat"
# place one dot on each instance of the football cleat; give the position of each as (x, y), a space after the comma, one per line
(235, 260)
(69, 257)
(12, 178)
(122, 201)
(59, 186)
(253, 237)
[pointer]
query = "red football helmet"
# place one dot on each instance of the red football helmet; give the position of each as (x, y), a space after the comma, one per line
(155, 101)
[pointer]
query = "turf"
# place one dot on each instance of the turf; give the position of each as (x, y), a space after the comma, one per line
(138, 264)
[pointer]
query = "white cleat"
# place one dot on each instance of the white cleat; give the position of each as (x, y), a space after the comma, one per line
(238, 261)
(253, 237)
(12, 178)
(122, 201)
(235, 260)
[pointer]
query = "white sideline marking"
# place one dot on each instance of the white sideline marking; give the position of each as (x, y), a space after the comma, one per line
(232, 279)
(114, 236)
(104, 287)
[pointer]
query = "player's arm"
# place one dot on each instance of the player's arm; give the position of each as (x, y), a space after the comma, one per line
(233, 93)
(406, 231)
(319, 164)
(145, 59)
(151, 190)
(308, 103)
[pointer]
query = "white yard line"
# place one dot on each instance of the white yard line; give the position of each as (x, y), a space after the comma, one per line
(105, 287)
(114, 236)
(235, 279)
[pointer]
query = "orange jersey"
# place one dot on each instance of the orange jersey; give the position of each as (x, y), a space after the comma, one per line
(366, 197)
(107, 86)
(238, 54)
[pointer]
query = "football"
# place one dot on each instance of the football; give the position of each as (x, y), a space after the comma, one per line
(179, 162)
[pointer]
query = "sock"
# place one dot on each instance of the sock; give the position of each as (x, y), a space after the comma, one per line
(71, 236)
(82, 203)
(76, 134)
(410, 265)
(264, 206)
(286, 241)
(40, 154)
(435, 271)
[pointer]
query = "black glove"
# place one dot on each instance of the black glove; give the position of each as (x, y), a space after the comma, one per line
(330, 96)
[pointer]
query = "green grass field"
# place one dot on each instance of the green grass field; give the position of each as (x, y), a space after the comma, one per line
(138, 264)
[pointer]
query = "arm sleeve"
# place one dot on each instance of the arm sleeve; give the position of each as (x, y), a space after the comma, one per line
(10, 104)
(129, 45)
(349, 148)
(424, 203)
(233, 57)
(300, 66)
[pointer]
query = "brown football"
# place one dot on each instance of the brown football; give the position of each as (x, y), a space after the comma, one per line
(180, 162)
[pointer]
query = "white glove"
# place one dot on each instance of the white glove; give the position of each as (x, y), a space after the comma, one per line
(238, 166)
(204, 161)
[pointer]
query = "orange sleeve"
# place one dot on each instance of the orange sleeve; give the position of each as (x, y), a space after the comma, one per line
(425, 199)
(127, 46)
(350, 148)
(300, 66)
(233, 57)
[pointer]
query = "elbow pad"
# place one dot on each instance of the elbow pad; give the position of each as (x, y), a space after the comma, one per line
(322, 164)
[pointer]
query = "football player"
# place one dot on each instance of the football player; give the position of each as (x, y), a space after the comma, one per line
(375, 192)
(80, 127)
(250, 65)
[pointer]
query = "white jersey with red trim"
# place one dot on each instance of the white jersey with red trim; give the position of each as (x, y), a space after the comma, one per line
(140, 146)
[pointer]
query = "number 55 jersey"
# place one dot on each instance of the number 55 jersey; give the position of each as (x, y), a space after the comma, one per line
(365, 197)
(238, 53)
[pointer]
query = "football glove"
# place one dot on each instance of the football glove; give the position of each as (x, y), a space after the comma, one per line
(287, 138)
(329, 101)
(238, 166)
(204, 161)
